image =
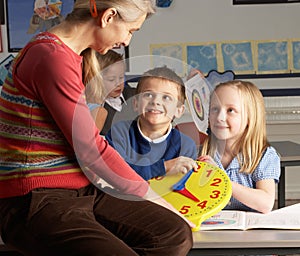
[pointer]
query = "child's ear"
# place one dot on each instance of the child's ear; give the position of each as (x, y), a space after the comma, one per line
(135, 103)
(179, 111)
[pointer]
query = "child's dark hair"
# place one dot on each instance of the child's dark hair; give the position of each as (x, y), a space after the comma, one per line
(166, 74)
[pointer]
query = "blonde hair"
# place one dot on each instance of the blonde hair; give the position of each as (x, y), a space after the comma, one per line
(251, 145)
(128, 11)
(91, 76)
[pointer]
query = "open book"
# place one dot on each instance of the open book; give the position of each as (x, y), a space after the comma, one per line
(283, 218)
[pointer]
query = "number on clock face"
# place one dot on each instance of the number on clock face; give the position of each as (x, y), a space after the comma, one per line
(197, 195)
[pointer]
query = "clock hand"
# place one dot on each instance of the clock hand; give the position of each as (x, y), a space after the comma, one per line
(188, 194)
(180, 187)
(181, 184)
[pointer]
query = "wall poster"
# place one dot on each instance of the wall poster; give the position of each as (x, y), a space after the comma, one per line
(28, 17)
(253, 57)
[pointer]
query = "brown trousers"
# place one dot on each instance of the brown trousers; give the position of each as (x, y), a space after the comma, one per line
(90, 222)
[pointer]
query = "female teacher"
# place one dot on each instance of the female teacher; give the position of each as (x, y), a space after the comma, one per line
(52, 157)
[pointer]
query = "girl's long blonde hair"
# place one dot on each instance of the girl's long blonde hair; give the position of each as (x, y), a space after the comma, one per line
(251, 145)
(128, 11)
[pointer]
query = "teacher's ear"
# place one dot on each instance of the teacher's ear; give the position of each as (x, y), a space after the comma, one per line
(107, 17)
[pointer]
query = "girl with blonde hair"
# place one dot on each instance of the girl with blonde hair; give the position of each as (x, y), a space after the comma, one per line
(114, 90)
(238, 144)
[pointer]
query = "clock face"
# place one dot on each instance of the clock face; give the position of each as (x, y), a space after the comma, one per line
(197, 195)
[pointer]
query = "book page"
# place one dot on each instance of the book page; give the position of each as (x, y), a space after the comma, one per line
(225, 219)
(283, 218)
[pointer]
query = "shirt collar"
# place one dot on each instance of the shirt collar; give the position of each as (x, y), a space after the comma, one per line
(116, 103)
(157, 140)
(233, 164)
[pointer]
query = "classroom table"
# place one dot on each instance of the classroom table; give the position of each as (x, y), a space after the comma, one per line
(250, 242)
(289, 156)
(234, 242)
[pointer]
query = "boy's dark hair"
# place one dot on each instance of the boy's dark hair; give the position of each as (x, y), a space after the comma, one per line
(166, 74)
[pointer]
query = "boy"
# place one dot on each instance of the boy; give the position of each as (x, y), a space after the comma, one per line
(149, 144)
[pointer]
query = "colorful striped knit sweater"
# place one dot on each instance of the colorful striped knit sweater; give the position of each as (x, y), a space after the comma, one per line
(47, 135)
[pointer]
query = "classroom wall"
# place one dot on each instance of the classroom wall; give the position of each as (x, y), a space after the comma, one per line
(188, 21)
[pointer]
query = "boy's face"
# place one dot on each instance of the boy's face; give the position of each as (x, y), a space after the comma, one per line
(157, 103)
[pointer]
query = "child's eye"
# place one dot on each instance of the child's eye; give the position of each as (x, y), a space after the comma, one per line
(109, 79)
(167, 98)
(147, 95)
(214, 109)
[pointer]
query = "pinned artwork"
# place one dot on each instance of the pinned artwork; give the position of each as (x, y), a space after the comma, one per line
(202, 56)
(4, 67)
(252, 57)
(197, 95)
(27, 18)
(214, 77)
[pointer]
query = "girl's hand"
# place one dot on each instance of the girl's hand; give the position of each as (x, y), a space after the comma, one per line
(208, 159)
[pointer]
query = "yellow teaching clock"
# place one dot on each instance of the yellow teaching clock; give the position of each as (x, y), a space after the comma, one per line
(198, 195)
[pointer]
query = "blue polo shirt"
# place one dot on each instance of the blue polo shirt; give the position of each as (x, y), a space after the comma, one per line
(146, 156)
